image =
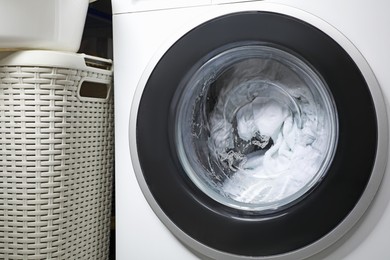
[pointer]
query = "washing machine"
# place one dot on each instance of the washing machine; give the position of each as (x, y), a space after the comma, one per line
(252, 129)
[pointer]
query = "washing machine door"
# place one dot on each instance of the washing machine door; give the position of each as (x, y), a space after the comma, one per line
(258, 142)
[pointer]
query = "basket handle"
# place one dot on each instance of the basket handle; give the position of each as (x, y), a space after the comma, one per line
(94, 89)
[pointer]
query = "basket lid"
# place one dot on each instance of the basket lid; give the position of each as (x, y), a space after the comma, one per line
(44, 58)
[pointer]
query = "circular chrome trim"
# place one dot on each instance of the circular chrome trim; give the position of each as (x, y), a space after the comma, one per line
(382, 148)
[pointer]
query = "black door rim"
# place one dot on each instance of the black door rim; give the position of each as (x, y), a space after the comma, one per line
(178, 192)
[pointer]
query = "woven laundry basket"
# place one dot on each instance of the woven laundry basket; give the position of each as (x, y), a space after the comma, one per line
(56, 156)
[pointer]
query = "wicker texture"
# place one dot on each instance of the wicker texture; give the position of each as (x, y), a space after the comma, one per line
(56, 165)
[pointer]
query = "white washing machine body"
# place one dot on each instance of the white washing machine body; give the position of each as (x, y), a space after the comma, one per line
(144, 31)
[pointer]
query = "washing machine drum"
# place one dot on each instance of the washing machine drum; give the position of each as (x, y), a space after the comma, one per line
(256, 135)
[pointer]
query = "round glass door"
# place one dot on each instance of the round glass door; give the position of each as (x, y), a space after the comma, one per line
(256, 128)
(239, 133)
